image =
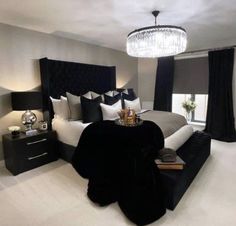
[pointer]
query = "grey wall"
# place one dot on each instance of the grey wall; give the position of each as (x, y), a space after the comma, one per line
(20, 50)
(146, 79)
(234, 87)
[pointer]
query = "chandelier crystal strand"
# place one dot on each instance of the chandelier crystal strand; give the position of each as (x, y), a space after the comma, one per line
(157, 41)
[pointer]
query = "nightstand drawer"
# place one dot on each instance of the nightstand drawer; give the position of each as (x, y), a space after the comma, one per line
(34, 161)
(38, 141)
(37, 147)
(27, 152)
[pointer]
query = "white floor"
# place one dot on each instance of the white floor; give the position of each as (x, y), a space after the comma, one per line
(55, 195)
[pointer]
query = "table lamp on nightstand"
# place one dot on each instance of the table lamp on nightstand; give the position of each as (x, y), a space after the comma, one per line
(27, 101)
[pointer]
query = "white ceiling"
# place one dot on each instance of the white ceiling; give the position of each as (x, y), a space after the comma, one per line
(209, 23)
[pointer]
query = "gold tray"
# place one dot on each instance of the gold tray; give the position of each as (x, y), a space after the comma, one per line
(122, 123)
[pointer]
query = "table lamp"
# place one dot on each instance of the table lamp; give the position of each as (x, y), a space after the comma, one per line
(27, 101)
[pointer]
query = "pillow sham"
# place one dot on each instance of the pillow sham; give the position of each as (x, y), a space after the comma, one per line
(74, 106)
(127, 94)
(88, 95)
(133, 104)
(109, 93)
(91, 109)
(56, 105)
(110, 112)
(65, 111)
(95, 95)
(110, 100)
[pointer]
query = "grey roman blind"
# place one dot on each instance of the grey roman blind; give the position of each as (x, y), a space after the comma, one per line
(191, 76)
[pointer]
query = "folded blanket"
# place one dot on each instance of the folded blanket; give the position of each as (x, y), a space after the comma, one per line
(119, 163)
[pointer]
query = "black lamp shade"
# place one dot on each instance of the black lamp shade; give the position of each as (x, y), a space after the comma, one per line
(26, 100)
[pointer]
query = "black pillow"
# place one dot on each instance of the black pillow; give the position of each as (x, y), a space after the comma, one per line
(128, 96)
(111, 100)
(91, 109)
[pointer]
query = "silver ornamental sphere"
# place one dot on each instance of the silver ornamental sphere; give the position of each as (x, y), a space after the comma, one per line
(28, 119)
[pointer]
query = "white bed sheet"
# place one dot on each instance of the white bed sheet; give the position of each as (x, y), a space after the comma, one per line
(69, 132)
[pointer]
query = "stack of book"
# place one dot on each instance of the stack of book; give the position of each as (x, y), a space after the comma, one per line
(176, 165)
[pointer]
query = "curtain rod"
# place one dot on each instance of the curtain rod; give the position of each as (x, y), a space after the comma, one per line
(204, 50)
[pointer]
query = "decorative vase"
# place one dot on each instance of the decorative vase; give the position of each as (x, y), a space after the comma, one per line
(188, 116)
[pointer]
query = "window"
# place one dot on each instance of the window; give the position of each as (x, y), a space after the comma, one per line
(199, 114)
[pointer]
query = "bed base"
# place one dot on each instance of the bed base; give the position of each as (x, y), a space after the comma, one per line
(66, 151)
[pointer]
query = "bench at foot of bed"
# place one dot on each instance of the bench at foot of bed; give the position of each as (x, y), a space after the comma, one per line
(194, 152)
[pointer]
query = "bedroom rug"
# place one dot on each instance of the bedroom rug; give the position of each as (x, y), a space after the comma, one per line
(54, 195)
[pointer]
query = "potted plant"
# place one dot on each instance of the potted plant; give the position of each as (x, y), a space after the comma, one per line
(189, 106)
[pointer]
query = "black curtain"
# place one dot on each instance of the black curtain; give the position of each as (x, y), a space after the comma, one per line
(164, 84)
(220, 115)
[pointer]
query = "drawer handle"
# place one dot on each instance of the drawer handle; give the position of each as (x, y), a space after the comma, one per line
(37, 141)
(37, 156)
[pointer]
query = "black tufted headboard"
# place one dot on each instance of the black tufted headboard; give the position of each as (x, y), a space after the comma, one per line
(59, 77)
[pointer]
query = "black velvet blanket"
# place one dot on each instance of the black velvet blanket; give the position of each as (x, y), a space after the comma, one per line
(119, 163)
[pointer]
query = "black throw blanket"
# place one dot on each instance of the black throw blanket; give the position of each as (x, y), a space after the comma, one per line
(119, 163)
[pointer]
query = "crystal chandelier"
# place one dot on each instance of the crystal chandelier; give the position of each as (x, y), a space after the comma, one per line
(156, 41)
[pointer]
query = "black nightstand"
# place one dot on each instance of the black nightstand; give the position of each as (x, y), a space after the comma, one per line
(27, 152)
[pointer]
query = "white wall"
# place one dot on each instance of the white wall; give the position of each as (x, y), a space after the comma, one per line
(20, 50)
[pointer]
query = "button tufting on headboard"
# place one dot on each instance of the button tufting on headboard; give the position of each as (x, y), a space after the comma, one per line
(59, 77)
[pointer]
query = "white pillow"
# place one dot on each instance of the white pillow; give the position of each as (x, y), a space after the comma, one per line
(109, 93)
(65, 111)
(133, 104)
(110, 112)
(95, 95)
(56, 105)
(88, 95)
(178, 138)
(112, 93)
(125, 91)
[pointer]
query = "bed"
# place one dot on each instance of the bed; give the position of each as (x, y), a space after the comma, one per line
(59, 77)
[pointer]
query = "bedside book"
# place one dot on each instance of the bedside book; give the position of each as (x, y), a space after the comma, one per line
(177, 165)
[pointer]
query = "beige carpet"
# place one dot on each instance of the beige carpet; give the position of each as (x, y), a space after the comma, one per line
(55, 195)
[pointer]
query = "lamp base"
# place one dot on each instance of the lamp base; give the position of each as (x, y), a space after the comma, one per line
(28, 119)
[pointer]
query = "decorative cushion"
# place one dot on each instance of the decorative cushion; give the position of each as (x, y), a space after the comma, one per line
(74, 103)
(88, 95)
(109, 93)
(129, 96)
(129, 93)
(65, 111)
(110, 100)
(110, 112)
(126, 94)
(133, 104)
(56, 105)
(91, 109)
(94, 95)
(74, 106)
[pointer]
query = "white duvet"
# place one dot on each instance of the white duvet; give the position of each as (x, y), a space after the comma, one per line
(69, 132)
